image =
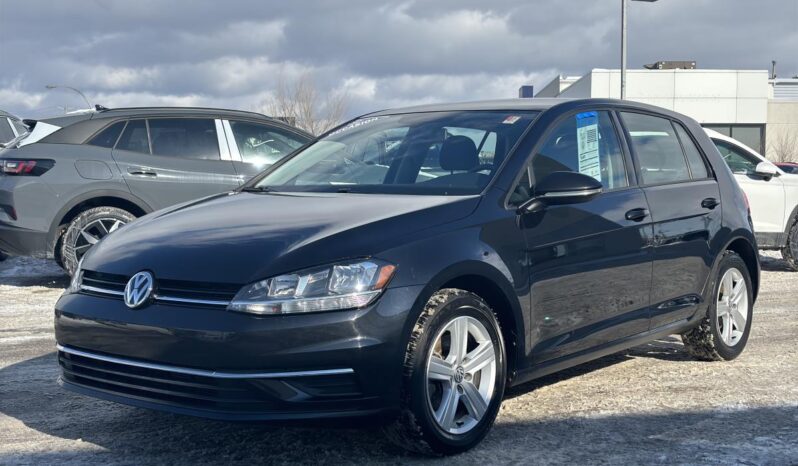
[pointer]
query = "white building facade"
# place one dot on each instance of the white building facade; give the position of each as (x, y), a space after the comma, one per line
(738, 103)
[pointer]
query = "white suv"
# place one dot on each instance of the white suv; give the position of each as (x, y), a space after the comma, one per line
(772, 194)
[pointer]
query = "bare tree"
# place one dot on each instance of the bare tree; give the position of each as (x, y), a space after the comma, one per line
(301, 104)
(783, 146)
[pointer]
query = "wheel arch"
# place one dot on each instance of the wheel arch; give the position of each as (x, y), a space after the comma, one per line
(491, 285)
(100, 198)
(746, 249)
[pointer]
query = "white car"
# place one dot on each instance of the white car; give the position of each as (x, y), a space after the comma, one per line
(772, 194)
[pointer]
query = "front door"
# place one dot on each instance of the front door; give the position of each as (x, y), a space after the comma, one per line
(166, 161)
(254, 147)
(685, 207)
(589, 263)
(765, 195)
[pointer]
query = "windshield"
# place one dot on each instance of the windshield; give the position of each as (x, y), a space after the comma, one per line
(439, 153)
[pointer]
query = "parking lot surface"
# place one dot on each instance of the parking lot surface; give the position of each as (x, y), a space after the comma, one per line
(649, 405)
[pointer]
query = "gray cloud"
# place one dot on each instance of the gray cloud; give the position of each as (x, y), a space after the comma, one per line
(383, 54)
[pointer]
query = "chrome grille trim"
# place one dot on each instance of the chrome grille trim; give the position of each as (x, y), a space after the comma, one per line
(201, 372)
(98, 290)
(157, 297)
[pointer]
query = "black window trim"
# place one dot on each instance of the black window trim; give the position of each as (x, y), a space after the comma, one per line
(638, 168)
(632, 182)
(701, 155)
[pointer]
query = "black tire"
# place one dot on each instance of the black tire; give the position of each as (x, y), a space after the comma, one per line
(790, 250)
(415, 428)
(705, 342)
(72, 248)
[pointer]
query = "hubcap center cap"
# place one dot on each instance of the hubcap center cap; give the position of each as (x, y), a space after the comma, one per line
(459, 374)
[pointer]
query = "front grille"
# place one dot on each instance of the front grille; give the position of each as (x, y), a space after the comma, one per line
(167, 291)
(200, 391)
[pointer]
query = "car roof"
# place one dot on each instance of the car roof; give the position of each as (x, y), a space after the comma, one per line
(529, 104)
(133, 112)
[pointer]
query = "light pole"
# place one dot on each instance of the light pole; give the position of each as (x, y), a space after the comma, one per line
(56, 86)
(623, 44)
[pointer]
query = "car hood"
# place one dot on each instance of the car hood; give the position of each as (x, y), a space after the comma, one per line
(243, 237)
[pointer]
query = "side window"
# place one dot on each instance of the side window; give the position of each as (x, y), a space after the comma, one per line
(698, 168)
(657, 148)
(586, 143)
(262, 144)
(736, 158)
(190, 138)
(21, 128)
(134, 138)
(6, 134)
(108, 136)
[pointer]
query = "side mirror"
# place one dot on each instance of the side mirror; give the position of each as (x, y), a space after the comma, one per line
(562, 188)
(766, 170)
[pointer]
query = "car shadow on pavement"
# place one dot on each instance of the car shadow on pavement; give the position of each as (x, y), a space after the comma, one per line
(773, 264)
(72, 429)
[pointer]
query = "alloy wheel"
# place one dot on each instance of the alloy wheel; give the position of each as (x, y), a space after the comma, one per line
(461, 375)
(732, 307)
(93, 232)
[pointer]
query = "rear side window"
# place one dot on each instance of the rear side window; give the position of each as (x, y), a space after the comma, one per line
(262, 144)
(190, 138)
(6, 134)
(657, 147)
(698, 167)
(21, 129)
(134, 138)
(108, 136)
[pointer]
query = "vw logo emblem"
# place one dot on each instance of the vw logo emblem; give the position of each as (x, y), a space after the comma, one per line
(138, 289)
(459, 374)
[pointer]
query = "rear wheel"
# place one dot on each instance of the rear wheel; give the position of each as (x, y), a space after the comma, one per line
(454, 376)
(790, 250)
(87, 229)
(723, 333)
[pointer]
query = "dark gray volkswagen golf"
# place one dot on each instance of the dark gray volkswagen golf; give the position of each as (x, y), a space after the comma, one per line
(414, 263)
(70, 180)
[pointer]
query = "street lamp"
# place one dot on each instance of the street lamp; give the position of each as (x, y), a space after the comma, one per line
(56, 86)
(623, 44)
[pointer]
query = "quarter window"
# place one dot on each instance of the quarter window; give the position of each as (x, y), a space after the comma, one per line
(6, 134)
(657, 148)
(697, 166)
(191, 138)
(263, 145)
(134, 138)
(108, 136)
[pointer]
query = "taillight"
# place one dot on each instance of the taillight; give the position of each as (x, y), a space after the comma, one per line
(30, 167)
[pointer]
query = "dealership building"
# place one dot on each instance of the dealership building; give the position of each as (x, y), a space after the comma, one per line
(744, 104)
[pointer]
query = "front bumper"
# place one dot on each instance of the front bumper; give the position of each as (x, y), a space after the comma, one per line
(224, 365)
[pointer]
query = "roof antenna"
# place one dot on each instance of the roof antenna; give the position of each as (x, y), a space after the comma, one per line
(100, 108)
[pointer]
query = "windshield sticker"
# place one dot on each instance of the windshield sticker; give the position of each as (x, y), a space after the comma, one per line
(587, 143)
(511, 119)
(355, 124)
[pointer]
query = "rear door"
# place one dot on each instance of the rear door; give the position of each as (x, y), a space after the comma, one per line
(166, 161)
(684, 199)
(255, 146)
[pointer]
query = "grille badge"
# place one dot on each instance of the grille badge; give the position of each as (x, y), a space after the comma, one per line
(139, 289)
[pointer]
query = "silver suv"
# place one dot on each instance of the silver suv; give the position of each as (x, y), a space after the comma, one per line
(72, 180)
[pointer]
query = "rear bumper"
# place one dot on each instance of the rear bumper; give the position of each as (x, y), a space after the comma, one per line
(22, 242)
(222, 365)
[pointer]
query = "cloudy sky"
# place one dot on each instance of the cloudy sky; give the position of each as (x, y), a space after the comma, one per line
(380, 53)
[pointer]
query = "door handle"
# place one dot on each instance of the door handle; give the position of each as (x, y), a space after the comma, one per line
(637, 215)
(141, 171)
(710, 203)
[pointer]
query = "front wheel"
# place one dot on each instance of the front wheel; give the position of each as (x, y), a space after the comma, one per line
(723, 333)
(86, 230)
(454, 376)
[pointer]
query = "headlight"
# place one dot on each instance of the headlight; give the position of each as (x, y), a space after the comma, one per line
(347, 285)
(77, 278)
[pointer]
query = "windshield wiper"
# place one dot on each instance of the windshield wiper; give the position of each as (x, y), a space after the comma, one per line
(255, 189)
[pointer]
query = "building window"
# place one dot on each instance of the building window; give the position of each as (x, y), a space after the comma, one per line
(752, 136)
